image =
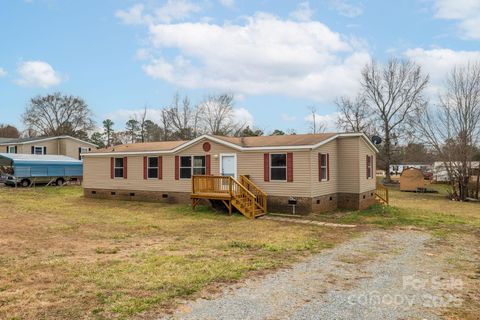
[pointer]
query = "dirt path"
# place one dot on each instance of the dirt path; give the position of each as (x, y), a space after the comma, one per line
(381, 275)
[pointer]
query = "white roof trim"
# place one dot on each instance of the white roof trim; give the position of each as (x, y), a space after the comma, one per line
(48, 139)
(234, 146)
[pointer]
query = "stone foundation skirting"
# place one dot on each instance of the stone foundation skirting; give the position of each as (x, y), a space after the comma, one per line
(276, 204)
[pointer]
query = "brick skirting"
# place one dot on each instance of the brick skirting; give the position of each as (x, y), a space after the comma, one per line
(355, 201)
(137, 195)
(305, 205)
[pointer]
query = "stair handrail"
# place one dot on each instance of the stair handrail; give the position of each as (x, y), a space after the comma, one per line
(251, 197)
(382, 193)
(249, 184)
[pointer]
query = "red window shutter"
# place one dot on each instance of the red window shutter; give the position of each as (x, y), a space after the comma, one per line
(112, 169)
(177, 167)
(125, 167)
(289, 167)
(328, 167)
(207, 164)
(145, 168)
(319, 167)
(160, 167)
(266, 167)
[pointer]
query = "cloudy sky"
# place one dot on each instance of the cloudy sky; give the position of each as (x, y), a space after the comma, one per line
(277, 57)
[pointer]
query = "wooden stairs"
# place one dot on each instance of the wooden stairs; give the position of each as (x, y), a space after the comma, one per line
(241, 194)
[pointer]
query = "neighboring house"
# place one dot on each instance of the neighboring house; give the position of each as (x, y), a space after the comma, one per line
(61, 145)
(318, 172)
(440, 173)
(396, 169)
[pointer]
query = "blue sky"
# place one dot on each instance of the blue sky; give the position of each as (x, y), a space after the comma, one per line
(277, 57)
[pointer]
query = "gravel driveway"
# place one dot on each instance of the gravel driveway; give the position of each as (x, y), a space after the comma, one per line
(381, 275)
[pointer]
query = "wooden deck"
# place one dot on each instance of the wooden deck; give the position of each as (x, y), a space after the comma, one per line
(250, 200)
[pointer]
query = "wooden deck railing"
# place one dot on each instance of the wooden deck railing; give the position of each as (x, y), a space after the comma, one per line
(261, 196)
(381, 193)
(211, 184)
(229, 189)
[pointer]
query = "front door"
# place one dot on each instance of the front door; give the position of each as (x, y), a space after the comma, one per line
(228, 165)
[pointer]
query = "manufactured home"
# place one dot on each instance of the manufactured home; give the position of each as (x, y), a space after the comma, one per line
(60, 145)
(306, 172)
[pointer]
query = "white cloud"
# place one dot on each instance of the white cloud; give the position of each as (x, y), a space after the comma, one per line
(288, 118)
(172, 10)
(2, 72)
(227, 3)
(134, 15)
(439, 62)
(303, 12)
(466, 12)
(37, 74)
(346, 9)
(242, 115)
(264, 55)
(328, 121)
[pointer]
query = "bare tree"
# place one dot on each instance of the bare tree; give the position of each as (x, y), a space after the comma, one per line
(453, 128)
(394, 91)
(57, 114)
(183, 118)
(9, 131)
(142, 125)
(165, 125)
(315, 125)
(355, 115)
(218, 116)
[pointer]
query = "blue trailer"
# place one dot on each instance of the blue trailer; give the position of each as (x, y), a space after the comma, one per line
(27, 169)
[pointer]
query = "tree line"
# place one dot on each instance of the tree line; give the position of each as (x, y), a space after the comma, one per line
(392, 103)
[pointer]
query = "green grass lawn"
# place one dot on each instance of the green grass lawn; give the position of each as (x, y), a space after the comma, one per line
(426, 210)
(65, 257)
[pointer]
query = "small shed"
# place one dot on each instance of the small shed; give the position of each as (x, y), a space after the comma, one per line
(31, 165)
(412, 180)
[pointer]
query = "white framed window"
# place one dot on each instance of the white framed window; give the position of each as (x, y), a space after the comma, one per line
(152, 167)
(12, 149)
(192, 165)
(324, 167)
(40, 150)
(118, 168)
(278, 166)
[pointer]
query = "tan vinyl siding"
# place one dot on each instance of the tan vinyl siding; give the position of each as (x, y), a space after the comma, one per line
(364, 150)
(52, 147)
(97, 172)
(65, 146)
(69, 147)
(251, 163)
(348, 168)
(330, 186)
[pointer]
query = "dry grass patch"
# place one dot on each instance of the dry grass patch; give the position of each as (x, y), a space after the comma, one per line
(64, 256)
